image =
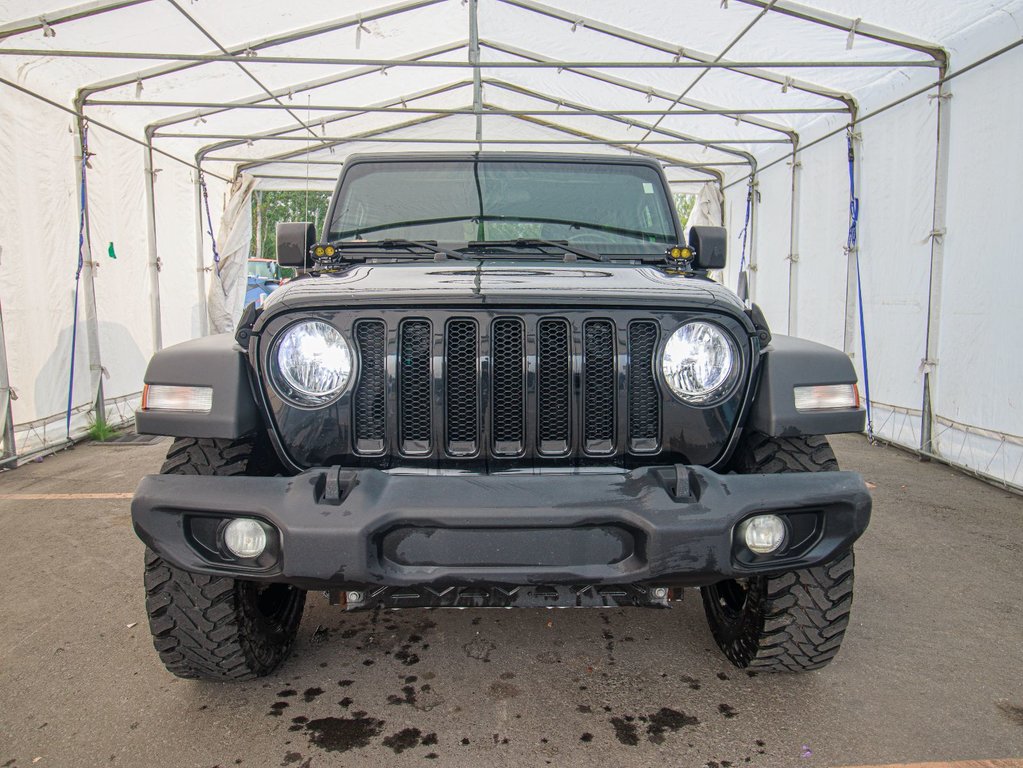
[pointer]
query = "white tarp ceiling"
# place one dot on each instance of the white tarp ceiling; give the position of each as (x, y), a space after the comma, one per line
(718, 90)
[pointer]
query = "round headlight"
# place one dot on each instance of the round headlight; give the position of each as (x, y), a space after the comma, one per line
(312, 363)
(700, 363)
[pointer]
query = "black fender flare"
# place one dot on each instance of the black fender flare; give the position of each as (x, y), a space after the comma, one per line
(211, 361)
(787, 363)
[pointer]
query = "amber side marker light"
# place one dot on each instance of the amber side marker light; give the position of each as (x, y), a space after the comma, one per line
(826, 397)
(167, 397)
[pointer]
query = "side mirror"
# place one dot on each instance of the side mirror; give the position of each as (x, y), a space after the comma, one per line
(710, 244)
(294, 239)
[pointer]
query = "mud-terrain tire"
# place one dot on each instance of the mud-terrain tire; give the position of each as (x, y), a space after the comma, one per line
(793, 622)
(217, 627)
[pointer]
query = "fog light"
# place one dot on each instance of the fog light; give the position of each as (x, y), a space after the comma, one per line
(764, 533)
(245, 537)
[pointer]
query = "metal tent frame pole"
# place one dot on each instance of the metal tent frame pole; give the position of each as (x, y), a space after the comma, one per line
(156, 316)
(851, 290)
(754, 232)
(793, 257)
(584, 111)
(741, 115)
(200, 259)
(474, 60)
(283, 134)
(10, 447)
(89, 285)
(308, 85)
(72, 13)
(247, 49)
(936, 279)
(754, 68)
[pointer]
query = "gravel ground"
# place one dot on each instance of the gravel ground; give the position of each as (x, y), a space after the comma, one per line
(930, 670)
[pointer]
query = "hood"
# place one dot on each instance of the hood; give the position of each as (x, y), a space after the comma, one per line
(502, 282)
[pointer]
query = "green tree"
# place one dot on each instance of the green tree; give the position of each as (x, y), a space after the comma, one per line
(684, 205)
(269, 208)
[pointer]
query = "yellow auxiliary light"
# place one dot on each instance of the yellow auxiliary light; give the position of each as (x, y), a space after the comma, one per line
(680, 253)
(329, 250)
(319, 251)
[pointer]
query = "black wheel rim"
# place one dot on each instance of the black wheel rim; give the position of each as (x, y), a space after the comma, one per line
(271, 603)
(731, 596)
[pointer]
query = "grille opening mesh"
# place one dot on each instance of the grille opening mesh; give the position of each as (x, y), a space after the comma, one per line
(370, 399)
(644, 400)
(599, 394)
(414, 390)
(462, 385)
(553, 385)
(508, 386)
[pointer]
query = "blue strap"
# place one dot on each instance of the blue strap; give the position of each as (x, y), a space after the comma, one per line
(78, 274)
(854, 220)
(209, 220)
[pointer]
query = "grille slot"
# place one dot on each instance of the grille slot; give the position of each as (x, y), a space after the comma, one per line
(415, 412)
(599, 395)
(553, 386)
(508, 400)
(461, 381)
(369, 402)
(644, 399)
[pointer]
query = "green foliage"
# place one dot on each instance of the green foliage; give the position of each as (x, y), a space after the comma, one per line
(99, 430)
(269, 208)
(684, 205)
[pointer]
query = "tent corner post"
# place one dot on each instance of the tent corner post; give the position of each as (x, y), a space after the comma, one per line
(156, 315)
(10, 448)
(793, 257)
(751, 267)
(937, 261)
(88, 274)
(851, 252)
(200, 260)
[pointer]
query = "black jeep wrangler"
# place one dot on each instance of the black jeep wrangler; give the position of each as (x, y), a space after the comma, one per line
(500, 380)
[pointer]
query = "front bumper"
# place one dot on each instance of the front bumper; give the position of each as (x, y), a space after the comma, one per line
(334, 528)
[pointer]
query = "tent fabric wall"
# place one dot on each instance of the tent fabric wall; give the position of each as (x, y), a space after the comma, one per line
(495, 71)
(978, 374)
(39, 238)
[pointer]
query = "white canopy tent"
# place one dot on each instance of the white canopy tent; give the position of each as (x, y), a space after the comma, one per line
(789, 111)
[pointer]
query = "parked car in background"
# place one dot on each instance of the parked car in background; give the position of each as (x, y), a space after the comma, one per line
(265, 275)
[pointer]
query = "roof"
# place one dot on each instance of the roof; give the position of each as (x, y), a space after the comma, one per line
(522, 157)
(287, 92)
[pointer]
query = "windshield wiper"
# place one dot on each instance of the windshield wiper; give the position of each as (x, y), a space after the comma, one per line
(392, 244)
(534, 242)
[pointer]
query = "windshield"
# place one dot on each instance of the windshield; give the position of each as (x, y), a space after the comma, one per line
(610, 208)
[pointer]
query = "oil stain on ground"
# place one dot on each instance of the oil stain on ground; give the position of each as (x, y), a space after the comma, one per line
(340, 734)
(658, 724)
(1011, 712)
(407, 738)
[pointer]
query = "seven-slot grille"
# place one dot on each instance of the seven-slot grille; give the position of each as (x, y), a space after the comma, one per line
(507, 386)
